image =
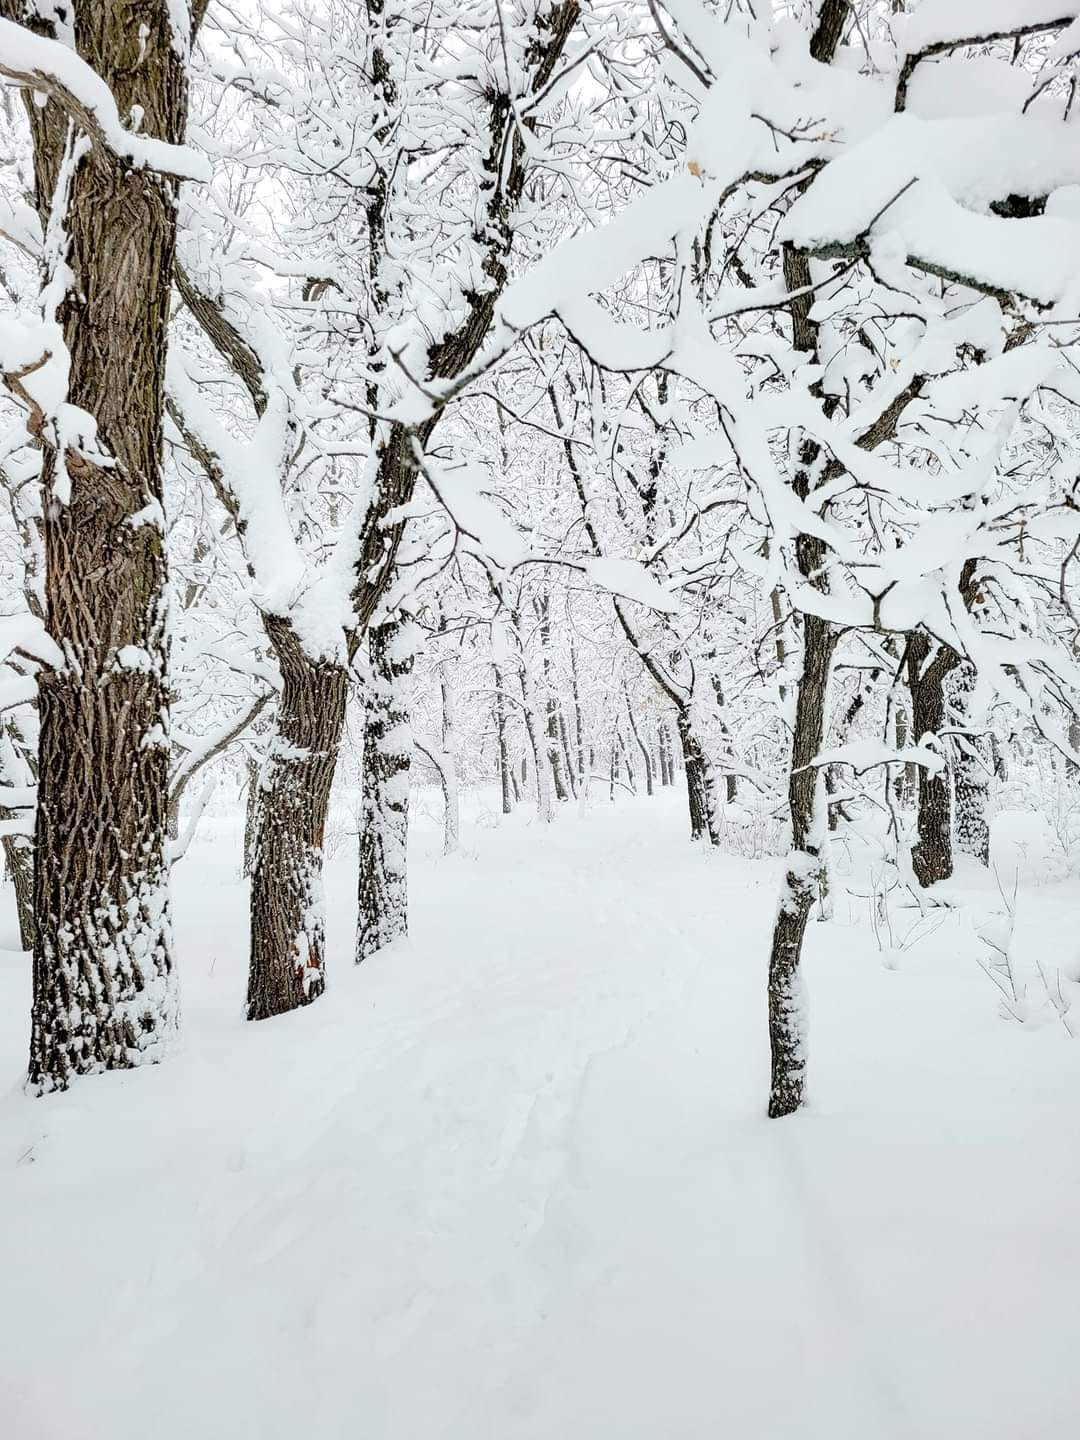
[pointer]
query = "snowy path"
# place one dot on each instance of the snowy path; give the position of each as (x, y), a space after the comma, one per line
(512, 1180)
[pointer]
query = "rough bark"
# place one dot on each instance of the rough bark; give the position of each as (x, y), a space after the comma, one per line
(17, 771)
(699, 784)
(506, 165)
(807, 863)
(104, 988)
(931, 855)
(252, 810)
(19, 859)
(288, 913)
(805, 871)
(971, 765)
(384, 830)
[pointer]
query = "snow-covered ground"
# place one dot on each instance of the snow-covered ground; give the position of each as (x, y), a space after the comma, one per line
(512, 1178)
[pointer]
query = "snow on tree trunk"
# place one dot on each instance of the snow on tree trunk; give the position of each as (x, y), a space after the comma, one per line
(805, 872)
(384, 831)
(17, 772)
(551, 704)
(19, 859)
(448, 767)
(931, 856)
(501, 731)
(545, 802)
(252, 809)
(288, 910)
(104, 992)
(971, 766)
(635, 731)
(700, 782)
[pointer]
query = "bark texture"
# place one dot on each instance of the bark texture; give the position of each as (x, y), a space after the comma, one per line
(288, 909)
(699, 781)
(384, 829)
(19, 859)
(972, 764)
(252, 807)
(931, 855)
(806, 869)
(18, 771)
(104, 991)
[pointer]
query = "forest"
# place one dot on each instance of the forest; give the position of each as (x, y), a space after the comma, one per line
(539, 562)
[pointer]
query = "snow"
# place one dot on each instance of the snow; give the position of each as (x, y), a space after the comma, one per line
(25, 56)
(940, 22)
(865, 755)
(630, 579)
(512, 1178)
(26, 632)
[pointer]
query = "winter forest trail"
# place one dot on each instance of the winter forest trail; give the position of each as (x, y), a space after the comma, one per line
(512, 1178)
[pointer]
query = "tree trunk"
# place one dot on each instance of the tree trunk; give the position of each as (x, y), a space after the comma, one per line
(19, 859)
(569, 769)
(805, 872)
(579, 726)
(104, 984)
(931, 856)
(505, 765)
(448, 768)
(906, 783)
(972, 761)
(288, 910)
(545, 804)
(551, 704)
(699, 782)
(645, 756)
(667, 766)
(17, 772)
(252, 811)
(383, 914)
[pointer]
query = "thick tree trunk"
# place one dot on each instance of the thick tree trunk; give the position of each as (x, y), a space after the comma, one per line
(104, 986)
(972, 764)
(699, 782)
(931, 856)
(383, 914)
(288, 911)
(806, 871)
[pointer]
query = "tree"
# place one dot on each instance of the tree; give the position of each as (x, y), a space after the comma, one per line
(831, 433)
(93, 391)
